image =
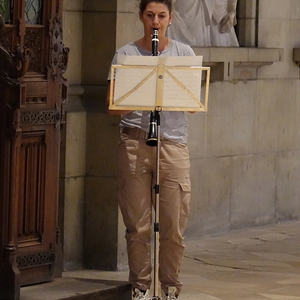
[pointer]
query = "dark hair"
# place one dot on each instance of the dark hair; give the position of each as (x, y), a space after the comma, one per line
(144, 3)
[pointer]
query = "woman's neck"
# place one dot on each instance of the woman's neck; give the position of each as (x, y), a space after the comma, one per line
(146, 43)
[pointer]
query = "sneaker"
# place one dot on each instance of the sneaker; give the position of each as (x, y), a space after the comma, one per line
(171, 295)
(140, 295)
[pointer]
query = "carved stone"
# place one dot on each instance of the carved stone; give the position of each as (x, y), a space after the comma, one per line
(204, 23)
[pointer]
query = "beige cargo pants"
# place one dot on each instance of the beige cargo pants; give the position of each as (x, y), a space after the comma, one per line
(137, 164)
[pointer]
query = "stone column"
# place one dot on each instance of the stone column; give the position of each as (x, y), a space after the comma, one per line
(105, 25)
(73, 156)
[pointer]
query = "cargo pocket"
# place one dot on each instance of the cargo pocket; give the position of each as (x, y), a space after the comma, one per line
(185, 191)
(174, 203)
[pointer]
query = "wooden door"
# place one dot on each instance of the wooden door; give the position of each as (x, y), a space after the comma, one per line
(32, 94)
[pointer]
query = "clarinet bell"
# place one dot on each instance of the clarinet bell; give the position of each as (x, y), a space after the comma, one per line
(152, 134)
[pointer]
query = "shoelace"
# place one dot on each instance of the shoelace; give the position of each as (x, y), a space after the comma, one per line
(139, 295)
(171, 298)
(171, 295)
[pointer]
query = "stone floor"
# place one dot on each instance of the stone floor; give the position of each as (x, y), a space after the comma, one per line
(254, 264)
(261, 263)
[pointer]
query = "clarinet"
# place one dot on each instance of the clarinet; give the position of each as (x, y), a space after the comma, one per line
(154, 116)
(155, 41)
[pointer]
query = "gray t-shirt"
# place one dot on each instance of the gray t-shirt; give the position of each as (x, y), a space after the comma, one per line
(173, 124)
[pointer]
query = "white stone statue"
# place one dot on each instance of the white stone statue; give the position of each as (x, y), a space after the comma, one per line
(204, 23)
(223, 19)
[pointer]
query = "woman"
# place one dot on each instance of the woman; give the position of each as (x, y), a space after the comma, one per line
(137, 166)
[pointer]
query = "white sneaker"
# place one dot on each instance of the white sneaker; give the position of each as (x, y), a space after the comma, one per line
(171, 295)
(140, 295)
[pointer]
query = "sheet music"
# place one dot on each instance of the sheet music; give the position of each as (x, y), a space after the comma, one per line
(128, 79)
(137, 85)
(175, 95)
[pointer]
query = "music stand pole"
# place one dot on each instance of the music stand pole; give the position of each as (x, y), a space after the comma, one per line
(156, 211)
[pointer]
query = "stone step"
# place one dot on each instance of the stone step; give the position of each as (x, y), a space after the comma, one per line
(77, 289)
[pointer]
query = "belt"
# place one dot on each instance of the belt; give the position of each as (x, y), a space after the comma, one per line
(136, 133)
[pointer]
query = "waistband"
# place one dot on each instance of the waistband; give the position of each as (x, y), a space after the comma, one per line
(140, 134)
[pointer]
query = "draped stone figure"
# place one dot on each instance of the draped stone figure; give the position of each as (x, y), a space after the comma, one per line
(204, 23)
(191, 22)
(223, 20)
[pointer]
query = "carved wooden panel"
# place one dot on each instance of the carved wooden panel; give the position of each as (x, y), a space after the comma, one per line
(36, 100)
(59, 53)
(34, 260)
(36, 93)
(30, 247)
(32, 162)
(34, 118)
(34, 42)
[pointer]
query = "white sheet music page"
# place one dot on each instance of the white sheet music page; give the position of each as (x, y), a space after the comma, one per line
(136, 81)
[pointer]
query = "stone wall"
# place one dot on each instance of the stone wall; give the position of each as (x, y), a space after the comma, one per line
(245, 151)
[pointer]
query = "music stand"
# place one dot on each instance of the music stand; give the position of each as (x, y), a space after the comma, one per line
(158, 83)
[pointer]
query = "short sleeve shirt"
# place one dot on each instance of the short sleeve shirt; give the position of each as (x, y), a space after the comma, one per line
(173, 124)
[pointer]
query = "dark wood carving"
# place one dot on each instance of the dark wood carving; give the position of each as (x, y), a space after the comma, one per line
(12, 66)
(59, 53)
(36, 100)
(33, 60)
(39, 259)
(32, 157)
(33, 118)
(34, 42)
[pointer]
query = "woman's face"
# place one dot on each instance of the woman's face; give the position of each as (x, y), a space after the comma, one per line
(156, 15)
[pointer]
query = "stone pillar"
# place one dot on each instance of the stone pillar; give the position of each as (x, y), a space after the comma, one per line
(73, 158)
(104, 244)
(93, 227)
